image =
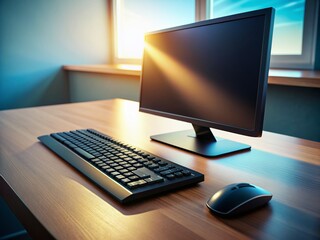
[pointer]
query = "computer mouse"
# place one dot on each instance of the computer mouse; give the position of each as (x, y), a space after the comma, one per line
(238, 198)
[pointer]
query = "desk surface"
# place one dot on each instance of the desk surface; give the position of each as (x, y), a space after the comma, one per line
(52, 199)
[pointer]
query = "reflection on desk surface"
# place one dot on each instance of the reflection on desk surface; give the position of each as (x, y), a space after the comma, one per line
(53, 199)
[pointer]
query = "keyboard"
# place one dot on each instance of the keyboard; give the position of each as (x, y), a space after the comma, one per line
(126, 172)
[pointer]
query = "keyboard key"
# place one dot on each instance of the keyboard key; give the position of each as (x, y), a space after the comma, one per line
(164, 173)
(147, 163)
(156, 160)
(137, 165)
(120, 177)
(71, 145)
(83, 153)
(102, 164)
(95, 160)
(186, 172)
(161, 163)
(125, 180)
(110, 170)
(97, 154)
(143, 172)
(156, 179)
(161, 169)
(133, 184)
(115, 173)
(170, 176)
(138, 183)
(146, 173)
(153, 166)
(133, 177)
(58, 137)
(128, 174)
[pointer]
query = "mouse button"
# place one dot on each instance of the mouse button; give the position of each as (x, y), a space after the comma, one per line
(262, 191)
(215, 198)
(230, 186)
(225, 202)
(238, 197)
(241, 185)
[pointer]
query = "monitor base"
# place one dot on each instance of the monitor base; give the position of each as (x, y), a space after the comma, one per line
(189, 141)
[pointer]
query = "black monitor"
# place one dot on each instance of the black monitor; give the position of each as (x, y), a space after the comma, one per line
(213, 74)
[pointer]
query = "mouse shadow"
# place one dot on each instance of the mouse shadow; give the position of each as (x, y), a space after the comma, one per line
(275, 220)
(250, 223)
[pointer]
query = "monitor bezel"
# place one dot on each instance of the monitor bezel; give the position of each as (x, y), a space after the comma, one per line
(256, 131)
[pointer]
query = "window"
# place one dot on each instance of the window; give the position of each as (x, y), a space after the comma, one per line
(293, 36)
(134, 18)
(288, 25)
(294, 27)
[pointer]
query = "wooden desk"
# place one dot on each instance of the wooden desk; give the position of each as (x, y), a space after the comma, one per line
(53, 200)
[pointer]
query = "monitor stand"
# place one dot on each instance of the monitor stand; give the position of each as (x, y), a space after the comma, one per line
(200, 141)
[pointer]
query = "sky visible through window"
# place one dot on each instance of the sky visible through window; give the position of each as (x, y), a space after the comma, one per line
(135, 17)
(288, 25)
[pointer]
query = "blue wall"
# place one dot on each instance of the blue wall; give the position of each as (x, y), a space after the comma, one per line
(293, 111)
(37, 37)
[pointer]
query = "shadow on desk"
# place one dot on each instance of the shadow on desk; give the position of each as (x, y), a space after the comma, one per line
(147, 204)
(276, 221)
(169, 210)
(68, 179)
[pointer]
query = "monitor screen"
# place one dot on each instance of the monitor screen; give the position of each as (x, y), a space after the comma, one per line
(211, 73)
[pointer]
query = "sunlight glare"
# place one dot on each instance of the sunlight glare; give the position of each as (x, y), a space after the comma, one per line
(133, 29)
(192, 81)
(135, 18)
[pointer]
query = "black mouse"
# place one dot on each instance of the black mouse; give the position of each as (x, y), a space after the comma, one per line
(239, 198)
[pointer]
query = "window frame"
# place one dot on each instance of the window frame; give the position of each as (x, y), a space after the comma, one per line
(114, 47)
(202, 12)
(307, 58)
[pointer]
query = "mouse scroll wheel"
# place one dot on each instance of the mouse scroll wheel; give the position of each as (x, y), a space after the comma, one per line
(241, 185)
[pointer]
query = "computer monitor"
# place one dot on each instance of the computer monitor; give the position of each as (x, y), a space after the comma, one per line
(213, 74)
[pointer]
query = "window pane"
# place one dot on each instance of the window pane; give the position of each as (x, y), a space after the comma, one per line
(134, 18)
(288, 25)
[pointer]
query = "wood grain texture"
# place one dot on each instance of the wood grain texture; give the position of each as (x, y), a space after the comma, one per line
(299, 78)
(69, 206)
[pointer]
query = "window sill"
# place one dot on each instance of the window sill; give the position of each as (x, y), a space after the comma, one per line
(300, 78)
(118, 69)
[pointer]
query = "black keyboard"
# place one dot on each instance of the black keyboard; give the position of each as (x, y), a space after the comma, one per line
(126, 172)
